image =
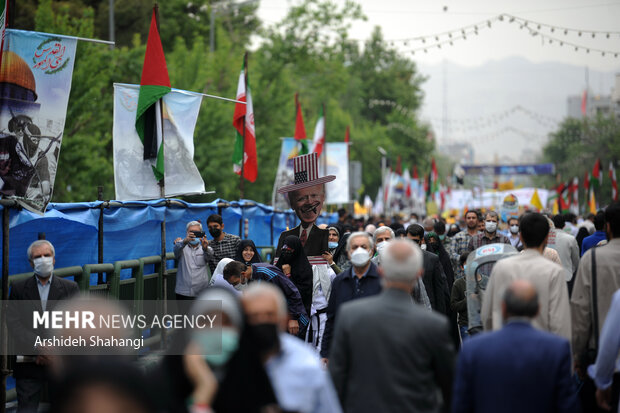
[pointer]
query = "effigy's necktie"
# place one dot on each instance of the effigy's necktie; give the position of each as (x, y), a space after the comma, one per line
(304, 237)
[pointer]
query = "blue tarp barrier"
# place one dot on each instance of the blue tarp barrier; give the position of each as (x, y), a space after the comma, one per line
(133, 229)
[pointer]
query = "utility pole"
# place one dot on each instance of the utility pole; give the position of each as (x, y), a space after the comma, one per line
(111, 23)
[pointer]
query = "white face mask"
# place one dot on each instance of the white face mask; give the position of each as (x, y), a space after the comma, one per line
(490, 226)
(360, 257)
(514, 229)
(423, 247)
(381, 246)
(43, 266)
(240, 286)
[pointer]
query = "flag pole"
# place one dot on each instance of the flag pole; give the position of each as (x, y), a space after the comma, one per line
(324, 141)
(245, 82)
(162, 193)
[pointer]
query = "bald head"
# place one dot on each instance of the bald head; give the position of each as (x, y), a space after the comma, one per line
(520, 300)
(401, 261)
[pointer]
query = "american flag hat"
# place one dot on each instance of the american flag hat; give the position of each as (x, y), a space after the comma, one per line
(306, 168)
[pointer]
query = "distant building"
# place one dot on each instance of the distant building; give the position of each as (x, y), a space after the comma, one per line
(595, 105)
(460, 152)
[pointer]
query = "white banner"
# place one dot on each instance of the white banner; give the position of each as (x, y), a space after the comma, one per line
(338, 165)
(133, 176)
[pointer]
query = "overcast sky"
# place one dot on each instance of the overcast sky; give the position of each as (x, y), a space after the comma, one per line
(400, 19)
(543, 90)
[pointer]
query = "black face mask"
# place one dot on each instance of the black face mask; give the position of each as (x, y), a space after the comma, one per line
(215, 232)
(266, 337)
(285, 256)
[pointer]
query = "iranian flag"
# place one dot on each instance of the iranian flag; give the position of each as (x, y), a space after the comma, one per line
(597, 178)
(300, 129)
(319, 133)
(243, 121)
(154, 84)
(434, 177)
(614, 182)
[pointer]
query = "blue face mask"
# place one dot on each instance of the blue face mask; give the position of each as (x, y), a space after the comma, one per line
(332, 244)
(208, 341)
(194, 242)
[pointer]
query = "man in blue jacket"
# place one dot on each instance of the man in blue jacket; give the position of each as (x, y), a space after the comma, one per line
(518, 368)
(360, 280)
(598, 236)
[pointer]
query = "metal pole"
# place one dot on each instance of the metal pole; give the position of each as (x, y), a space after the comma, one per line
(100, 231)
(212, 29)
(5, 297)
(245, 80)
(111, 23)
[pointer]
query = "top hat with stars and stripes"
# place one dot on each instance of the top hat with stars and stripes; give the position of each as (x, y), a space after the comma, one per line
(306, 168)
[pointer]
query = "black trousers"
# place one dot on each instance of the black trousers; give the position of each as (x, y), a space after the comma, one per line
(28, 394)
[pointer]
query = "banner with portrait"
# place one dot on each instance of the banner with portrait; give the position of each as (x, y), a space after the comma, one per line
(35, 82)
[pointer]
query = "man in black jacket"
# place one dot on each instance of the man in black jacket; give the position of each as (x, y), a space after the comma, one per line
(31, 372)
(434, 278)
(361, 280)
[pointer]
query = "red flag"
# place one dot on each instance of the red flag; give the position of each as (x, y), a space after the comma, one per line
(300, 129)
(399, 168)
(415, 172)
(584, 102)
(586, 181)
(597, 178)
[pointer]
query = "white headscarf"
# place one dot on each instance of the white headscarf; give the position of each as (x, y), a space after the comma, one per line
(218, 276)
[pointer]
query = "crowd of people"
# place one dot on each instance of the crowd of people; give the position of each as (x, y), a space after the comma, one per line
(368, 315)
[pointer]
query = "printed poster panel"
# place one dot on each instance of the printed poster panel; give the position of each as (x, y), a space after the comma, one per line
(35, 82)
(133, 176)
(338, 165)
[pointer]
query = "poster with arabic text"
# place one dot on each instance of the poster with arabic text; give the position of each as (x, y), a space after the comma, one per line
(35, 82)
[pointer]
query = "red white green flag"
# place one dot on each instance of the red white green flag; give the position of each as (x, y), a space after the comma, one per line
(597, 178)
(319, 133)
(614, 182)
(300, 129)
(245, 149)
(434, 177)
(154, 84)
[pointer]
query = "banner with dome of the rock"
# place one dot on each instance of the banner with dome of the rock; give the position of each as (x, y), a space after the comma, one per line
(35, 82)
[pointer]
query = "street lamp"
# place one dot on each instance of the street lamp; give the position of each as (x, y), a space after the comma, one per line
(383, 153)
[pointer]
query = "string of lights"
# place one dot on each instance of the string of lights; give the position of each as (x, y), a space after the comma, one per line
(425, 43)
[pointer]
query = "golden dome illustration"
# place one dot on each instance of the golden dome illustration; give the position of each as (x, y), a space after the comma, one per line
(16, 71)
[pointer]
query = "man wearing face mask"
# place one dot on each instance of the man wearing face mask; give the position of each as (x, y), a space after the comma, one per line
(381, 238)
(223, 245)
(488, 236)
(30, 371)
(299, 382)
(361, 280)
(515, 239)
(237, 274)
(191, 252)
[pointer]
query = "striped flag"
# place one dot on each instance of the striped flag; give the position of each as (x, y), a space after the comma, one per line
(347, 140)
(614, 183)
(245, 144)
(597, 177)
(154, 84)
(319, 133)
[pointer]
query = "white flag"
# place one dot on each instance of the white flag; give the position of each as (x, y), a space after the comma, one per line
(133, 176)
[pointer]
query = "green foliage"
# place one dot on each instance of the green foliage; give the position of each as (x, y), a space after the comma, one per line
(576, 145)
(371, 88)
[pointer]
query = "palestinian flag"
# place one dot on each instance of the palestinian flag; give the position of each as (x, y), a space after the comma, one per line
(154, 84)
(3, 17)
(563, 197)
(597, 178)
(243, 121)
(614, 182)
(300, 129)
(319, 133)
